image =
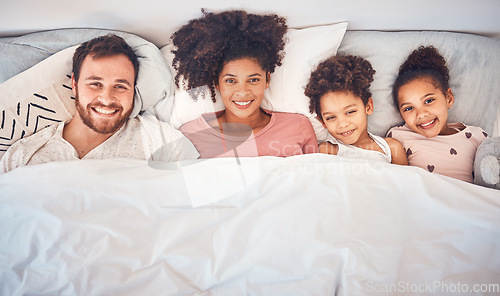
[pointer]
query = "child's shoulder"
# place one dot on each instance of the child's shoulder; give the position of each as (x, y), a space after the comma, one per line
(398, 153)
(476, 130)
(394, 144)
(398, 130)
(392, 141)
(328, 148)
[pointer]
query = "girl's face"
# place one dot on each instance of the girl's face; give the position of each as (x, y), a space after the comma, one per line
(424, 107)
(345, 116)
(242, 84)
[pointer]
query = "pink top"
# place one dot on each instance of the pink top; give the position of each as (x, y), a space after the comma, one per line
(451, 155)
(286, 134)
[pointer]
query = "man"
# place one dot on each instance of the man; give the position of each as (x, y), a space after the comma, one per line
(103, 80)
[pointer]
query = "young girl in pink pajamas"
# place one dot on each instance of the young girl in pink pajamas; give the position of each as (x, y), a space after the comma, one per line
(423, 96)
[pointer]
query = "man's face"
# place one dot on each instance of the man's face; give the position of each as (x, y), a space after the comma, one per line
(105, 92)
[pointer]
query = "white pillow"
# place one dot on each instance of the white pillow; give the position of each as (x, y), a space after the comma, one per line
(185, 108)
(304, 50)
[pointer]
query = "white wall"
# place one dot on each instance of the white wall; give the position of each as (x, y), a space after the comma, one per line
(156, 20)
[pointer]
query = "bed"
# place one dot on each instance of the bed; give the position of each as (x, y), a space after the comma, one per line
(303, 225)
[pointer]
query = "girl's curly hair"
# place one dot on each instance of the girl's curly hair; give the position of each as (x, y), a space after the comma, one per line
(339, 73)
(204, 45)
(423, 62)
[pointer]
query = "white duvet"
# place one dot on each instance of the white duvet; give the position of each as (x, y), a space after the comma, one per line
(303, 225)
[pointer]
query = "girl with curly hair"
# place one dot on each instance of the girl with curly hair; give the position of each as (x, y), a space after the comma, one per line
(234, 53)
(423, 96)
(339, 93)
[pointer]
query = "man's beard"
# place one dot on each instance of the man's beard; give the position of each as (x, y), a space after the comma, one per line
(101, 126)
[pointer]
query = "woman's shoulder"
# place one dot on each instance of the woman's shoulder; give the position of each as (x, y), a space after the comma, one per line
(195, 125)
(284, 123)
(290, 117)
(294, 122)
(288, 114)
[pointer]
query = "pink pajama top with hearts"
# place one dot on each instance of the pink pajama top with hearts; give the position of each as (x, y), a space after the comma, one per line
(450, 155)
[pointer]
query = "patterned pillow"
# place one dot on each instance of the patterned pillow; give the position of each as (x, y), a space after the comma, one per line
(36, 98)
(51, 105)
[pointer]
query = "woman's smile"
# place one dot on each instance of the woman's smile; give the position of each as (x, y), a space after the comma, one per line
(242, 104)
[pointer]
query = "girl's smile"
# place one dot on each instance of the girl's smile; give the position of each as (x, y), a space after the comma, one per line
(428, 125)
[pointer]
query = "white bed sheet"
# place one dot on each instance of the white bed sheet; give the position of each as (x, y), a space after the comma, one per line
(303, 225)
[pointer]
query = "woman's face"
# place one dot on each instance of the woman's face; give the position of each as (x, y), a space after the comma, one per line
(242, 84)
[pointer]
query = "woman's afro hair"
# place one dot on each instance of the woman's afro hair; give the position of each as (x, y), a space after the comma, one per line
(339, 73)
(204, 45)
(423, 62)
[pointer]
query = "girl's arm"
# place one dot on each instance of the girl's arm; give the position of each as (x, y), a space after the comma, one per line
(328, 148)
(397, 151)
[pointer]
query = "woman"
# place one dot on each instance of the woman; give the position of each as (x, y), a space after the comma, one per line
(235, 53)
